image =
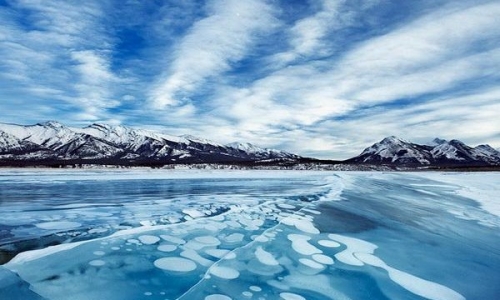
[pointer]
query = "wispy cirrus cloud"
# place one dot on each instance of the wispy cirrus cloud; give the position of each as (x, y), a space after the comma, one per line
(204, 53)
(56, 50)
(435, 53)
(298, 75)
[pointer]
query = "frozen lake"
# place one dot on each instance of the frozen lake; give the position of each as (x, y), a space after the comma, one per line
(163, 234)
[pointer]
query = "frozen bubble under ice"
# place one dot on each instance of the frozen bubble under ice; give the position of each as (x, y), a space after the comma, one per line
(234, 238)
(265, 257)
(149, 239)
(58, 225)
(328, 243)
(311, 263)
(217, 253)
(291, 296)
(208, 240)
(322, 259)
(172, 239)
(247, 294)
(99, 253)
(301, 245)
(255, 288)
(217, 297)
(224, 272)
(97, 263)
(167, 248)
(301, 223)
(175, 264)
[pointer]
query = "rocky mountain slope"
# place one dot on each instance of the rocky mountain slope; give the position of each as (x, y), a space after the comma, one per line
(399, 152)
(107, 144)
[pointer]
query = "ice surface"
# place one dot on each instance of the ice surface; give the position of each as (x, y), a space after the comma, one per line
(248, 235)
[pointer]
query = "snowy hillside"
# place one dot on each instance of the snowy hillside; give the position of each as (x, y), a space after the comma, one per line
(103, 143)
(395, 151)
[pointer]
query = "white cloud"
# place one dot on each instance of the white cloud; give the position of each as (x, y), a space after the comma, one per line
(60, 57)
(225, 36)
(435, 53)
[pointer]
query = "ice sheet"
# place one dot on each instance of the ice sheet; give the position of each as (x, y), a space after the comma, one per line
(244, 235)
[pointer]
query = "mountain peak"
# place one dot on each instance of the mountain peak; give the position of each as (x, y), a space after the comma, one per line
(393, 140)
(53, 124)
(438, 141)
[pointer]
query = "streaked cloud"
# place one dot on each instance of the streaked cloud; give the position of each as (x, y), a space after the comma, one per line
(320, 78)
(212, 44)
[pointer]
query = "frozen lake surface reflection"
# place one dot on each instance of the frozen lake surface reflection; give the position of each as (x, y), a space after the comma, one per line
(161, 234)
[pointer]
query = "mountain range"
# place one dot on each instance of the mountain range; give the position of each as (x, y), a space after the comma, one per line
(454, 153)
(54, 144)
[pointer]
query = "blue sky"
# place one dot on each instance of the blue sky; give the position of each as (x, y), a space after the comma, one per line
(323, 78)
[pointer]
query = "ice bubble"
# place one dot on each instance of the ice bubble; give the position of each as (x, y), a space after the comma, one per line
(207, 240)
(217, 253)
(301, 223)
(115, 248)
(148, 294)
(255, 288)
(328, 243)
(100, 253)
(247, 294)
(424, 288)
(193, 255)
(173, 239)
(265, 257)
(291, 296)
(311, 263)
(133, 241)
(167, 248)
(176, 264)
(149, 239)
(322, 259)
(234, 238)
(353, 245)
(224, 272)
(97, 263)
(58, 225)
(192, 244)
(230, 255)
(217, 297)
(301, 245)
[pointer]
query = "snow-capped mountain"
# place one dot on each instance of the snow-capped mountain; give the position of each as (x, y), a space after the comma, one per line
(439, 152)
(263, 153)
(104, 143)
